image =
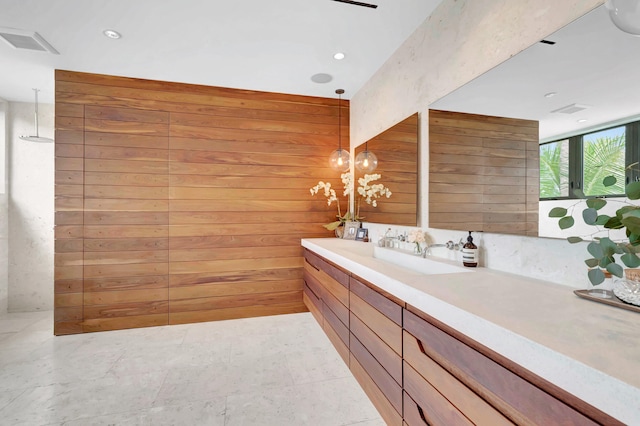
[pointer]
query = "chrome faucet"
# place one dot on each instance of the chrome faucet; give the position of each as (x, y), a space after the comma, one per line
(427, 249)
(449, 244)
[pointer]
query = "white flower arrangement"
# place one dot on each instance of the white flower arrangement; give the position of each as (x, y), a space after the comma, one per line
(418, 237)
(369, 193)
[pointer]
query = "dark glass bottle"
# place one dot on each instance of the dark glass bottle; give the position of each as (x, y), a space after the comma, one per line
(470, 253)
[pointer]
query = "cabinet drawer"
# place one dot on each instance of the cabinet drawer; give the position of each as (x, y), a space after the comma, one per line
(321, 264)
(434, 414)
(460, 396)
(313, 303)
(341, 329)
(339, 310)
(391, 390)
(375, 298)
(328, 284)
(391, 361)
(336, 340)
(382, 404)
(516, 398)
(387, 330)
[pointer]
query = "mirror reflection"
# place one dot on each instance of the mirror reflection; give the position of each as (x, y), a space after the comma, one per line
(579, 80)
(396, 150)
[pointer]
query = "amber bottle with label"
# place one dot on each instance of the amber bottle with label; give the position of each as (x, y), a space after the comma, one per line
(470, 253)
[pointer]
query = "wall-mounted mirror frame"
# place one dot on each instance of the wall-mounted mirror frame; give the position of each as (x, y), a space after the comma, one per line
(397, 152)
(592, 67)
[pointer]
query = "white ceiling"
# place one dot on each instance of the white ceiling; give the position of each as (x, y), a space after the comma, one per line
(592, 63)
(274, 45)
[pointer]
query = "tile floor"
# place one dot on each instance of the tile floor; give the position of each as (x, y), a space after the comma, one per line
(279, 370)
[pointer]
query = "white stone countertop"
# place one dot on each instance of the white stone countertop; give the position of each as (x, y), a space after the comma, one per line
(587, 348)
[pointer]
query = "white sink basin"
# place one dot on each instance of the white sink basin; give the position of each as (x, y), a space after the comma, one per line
(417, 263)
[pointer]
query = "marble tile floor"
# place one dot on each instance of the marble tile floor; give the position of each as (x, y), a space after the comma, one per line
(279, 370)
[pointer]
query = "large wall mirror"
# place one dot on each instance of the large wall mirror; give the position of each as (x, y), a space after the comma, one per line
(397, 151)
(580, 79)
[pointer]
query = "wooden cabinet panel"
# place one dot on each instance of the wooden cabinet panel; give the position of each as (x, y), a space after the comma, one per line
(337, 341)
(341, 328)
(390, 415)
(391, 309)
(460, 396)
(387, 330)
(313, 303)
(383, 380)
(334, 272)
(513, 396)
(329, 284)
(390, 360)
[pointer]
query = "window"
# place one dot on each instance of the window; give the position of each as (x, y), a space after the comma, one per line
(581, 163)
(554, 169)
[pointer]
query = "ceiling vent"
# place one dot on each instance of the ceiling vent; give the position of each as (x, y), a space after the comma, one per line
(29, 40)
(358, 3)
(570, 109)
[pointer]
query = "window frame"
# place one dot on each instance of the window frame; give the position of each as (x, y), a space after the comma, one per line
(576, 161)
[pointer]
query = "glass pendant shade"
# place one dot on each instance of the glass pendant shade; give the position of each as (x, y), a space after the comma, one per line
(340, 160)
(366, 161)
(625, 14)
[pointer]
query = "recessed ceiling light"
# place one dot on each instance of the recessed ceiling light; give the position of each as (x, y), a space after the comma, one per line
(112, 34)
(321, 78)
(582, 120)
(339, 56)
(550, 94)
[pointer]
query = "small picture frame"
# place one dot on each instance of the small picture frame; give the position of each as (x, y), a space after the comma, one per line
(350, 229)
(361, 234)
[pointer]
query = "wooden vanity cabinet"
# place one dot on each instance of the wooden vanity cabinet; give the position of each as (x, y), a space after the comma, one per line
(326, 295)
(376, 347)
(418, 371)
(478, 384)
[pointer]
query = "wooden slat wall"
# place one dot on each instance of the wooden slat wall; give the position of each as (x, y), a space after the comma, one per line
(397, 152)
(69, 218)
(483, 173)
(178, 203)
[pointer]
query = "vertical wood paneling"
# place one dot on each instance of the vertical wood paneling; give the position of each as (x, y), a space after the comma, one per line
(483, 173)
(180, 203)
(397, 152)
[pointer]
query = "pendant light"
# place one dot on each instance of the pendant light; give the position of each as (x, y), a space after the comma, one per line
(366, 161)
(340, 159)
(625, 14)
(37, 137)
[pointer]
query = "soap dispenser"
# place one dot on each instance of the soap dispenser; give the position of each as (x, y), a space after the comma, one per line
(470, 253)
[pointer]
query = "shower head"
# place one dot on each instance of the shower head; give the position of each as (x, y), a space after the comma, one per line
(37, 137)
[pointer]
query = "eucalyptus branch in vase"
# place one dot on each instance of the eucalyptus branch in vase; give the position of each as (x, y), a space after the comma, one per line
(603, 250)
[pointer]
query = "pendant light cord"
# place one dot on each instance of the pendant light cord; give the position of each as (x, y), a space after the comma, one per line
(340, 92)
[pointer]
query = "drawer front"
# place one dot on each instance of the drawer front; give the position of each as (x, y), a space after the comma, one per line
(328, 284)
(321, 264)
(313, 303)
(433, 408)
(340, 310)
(391, 361)
(375, 298)
(387, 330)
(513, 396)
(382, 404)
(460, 396)
(341, 329)
(338, 343)
(391, 390)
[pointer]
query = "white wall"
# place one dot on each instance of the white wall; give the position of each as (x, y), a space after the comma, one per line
(4, 210)
(31, 210)
(461, 40)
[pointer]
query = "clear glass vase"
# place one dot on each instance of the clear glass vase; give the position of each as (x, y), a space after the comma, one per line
(604, 290)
